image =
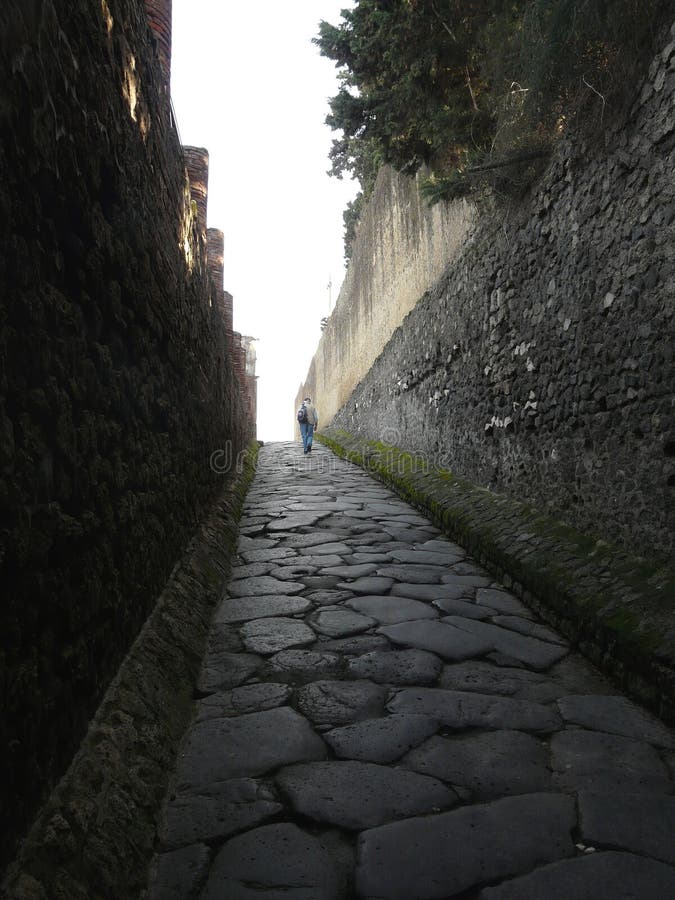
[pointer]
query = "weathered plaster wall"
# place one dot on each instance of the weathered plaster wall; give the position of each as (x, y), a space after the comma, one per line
(115, 380)
(401, 249)
(540, 364)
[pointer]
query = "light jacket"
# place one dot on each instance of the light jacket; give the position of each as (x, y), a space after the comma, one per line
(312, 414)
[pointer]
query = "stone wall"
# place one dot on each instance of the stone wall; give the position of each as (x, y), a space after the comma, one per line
(540, 364)
(401, 248)
(116, 384)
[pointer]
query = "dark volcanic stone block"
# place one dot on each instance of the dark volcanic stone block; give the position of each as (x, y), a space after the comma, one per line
(440, 856)
(591, 877)
(275, 861)
(358, 795)
(220, 749)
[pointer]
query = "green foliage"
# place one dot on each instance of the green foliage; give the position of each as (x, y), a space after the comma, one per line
(351, 217)
(409, 80)
(476, 86)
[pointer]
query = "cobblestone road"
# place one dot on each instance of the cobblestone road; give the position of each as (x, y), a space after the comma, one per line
(377, 718)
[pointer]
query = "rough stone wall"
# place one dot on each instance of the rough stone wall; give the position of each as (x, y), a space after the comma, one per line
(540, 364)
(401, 249)
(115, 381)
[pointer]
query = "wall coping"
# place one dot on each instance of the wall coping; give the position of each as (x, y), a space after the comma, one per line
(95, 836)
(616, 609)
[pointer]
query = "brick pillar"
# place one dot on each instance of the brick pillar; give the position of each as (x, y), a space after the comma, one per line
(228, 306)
(215, 255)
(197, 165)
(159, 19)
(215, 251)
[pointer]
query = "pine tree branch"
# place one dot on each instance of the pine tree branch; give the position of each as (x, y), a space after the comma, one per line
(468, 84)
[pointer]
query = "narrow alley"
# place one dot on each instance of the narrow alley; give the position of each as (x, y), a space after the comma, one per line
(377, 718)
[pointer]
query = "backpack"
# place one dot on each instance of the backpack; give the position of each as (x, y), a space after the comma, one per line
(302, 415)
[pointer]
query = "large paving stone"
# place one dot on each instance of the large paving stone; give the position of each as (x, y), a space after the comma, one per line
(532, 651)
(442, 545)
(303, 665)
(347, 523)
(223, 670)
(464, 608)
(413, 574)
(354, 512)
(340, 622)
(616, 715)
(530, 628)
(488, 678)
(347, 571)
(316, 504)
(400, 667)
(330, 549)
(248, 528)
(358, 795)
(459, 710)
(272, 635)
(389, 610)
(321, 582)
(405, 517)
(267, 554)
(369, 584)
(296, 520)
(381, 740)
(252, 570)
(644, 825)
(438, 857)
(385, 507)
(315, 539)
(445, 640)
(217, 811)
(313, 561)
(466, 581)
(245, 699)
(274, 862)
(263, 584)
(340, 703)
(356, 645)
(428, 557)
(615, 876)
(503, 602)
(328, 598)
(220, 749)
(293, 572)
(249, 543)
(360, 556)
(431, 592)
(241, 609)
(178, 874)
(595, 761)
(491, 765)
(370, 537)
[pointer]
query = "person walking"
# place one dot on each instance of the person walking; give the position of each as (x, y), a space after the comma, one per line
(308, 418)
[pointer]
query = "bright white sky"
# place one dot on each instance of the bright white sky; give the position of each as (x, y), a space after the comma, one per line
(248, 84)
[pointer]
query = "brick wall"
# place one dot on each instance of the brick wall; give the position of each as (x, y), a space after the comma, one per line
(116, 380)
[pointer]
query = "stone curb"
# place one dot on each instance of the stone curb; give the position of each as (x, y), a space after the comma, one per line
(95, 836)
(617, 609)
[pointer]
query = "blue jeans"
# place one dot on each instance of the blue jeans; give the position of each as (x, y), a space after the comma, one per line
(307, 433)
